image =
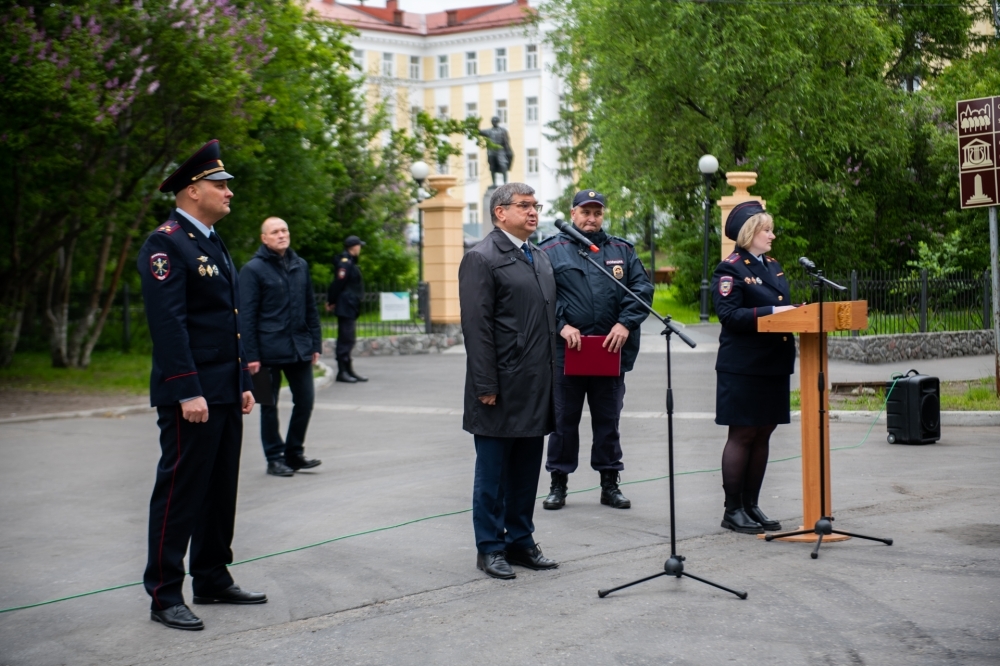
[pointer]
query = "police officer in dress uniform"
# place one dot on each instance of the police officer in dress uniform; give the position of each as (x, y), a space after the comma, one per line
(589, 304)
(752, 369)
(200, 386)
(344, 298)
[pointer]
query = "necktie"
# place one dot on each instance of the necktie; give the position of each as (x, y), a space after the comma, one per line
(527, 253)
(214, 237)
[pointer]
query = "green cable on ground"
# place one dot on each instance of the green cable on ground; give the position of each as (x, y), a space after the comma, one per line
(439, 515)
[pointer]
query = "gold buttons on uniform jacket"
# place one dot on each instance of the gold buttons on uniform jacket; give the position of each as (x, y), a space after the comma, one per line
(784, 338)
(236, 311)
(237, 336)
(781, 298)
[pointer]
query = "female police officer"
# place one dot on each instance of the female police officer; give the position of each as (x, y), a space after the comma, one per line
(752, 369)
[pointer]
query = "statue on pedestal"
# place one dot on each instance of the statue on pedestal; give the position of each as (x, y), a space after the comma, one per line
(501, 159)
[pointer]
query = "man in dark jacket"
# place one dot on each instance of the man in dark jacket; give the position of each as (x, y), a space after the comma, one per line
(282, 335)
(507, 295)
(591, 304)
(200, 386)
(344, 298)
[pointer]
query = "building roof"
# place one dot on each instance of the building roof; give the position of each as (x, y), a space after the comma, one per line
(392, 19)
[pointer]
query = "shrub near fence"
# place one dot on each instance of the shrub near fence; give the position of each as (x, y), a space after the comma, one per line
(909, 302)
(369, 323)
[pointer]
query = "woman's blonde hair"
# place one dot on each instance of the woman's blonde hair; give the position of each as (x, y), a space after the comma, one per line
(751, 227)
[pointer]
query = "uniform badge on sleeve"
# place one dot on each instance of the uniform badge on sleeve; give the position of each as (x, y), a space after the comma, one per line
(725, 285)
(159, 266)
(341, 273)
(619, 272)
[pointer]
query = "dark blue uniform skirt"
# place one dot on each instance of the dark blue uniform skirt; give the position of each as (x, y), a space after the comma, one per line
(751, 400)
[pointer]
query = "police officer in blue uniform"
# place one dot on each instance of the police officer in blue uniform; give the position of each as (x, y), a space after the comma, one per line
(752, 369)
(344, 298)
(200, 386)
(588, 303)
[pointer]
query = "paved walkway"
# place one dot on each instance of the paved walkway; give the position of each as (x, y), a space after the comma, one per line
(74, 494)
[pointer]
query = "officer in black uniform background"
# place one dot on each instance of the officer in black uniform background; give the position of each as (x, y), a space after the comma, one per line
(344, 298)
(752, 369)
(200, 386)
(588, 303)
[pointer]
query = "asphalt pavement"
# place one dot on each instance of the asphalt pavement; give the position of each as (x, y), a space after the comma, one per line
(370, 558)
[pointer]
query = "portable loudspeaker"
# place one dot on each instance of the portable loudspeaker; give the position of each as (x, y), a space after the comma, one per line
(913, 409)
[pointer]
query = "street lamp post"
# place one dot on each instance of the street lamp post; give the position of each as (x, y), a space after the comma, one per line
(708, 165)
(420, 171)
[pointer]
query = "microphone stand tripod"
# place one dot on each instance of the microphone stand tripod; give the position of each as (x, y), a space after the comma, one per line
(674, 565)
(823, 526)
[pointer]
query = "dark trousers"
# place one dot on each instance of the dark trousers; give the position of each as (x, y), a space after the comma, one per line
(503, 492)
(194, 500)
(300, 380)
(606, 395)
(345, 339)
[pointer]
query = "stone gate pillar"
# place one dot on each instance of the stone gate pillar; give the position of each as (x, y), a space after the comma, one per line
(742, 181)
(443, 250)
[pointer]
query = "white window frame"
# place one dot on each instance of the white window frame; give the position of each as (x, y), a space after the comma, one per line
(443, 113)
(500, 59)
(531, 56)
(443, 68)
(388, 64)
(359, 58)
(502, 111)
(531, 109)
(473, 213)
(532, 161)
(471, 109)
(471, 63)
(415, 68)
(472, 166)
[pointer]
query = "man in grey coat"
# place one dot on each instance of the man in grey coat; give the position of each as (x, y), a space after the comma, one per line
(507, 293)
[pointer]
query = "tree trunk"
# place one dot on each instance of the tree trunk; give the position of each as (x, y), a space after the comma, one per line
(11, 317)
(95, 334)
(57, 304)
(82, 331)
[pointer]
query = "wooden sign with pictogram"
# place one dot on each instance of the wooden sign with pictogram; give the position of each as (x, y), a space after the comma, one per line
(978, 144)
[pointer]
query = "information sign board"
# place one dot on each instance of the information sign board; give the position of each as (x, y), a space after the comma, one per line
(395, 305)
(978, 143)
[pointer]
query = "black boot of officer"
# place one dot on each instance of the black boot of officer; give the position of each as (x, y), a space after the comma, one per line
(611, 494)
(557, 492)
(344, 374)
(350, 371)
(753, 511)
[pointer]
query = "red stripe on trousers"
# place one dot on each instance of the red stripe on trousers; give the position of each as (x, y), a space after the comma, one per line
(163, 531)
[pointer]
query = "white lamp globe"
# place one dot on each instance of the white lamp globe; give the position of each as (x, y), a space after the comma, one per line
(708, 164)
(420, 170)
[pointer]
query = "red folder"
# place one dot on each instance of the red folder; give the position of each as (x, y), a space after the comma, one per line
(593, 360)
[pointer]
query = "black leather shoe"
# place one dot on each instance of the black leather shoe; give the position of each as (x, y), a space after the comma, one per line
(178, 617)
(756, 514)
(557, 492)
(495, 565)
(278, 468)
(233, 595)
(301, 462)
(530, 558)
(342, 376)
(350, 371)
(738, 521)
(611, 494)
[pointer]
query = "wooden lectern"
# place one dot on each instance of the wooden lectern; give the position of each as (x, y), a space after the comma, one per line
(843, 316)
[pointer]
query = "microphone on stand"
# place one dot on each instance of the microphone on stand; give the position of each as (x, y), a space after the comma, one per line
(571, 231)
(807, 264)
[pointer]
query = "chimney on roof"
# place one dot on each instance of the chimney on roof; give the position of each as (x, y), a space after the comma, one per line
(523, 3)
(452, 16)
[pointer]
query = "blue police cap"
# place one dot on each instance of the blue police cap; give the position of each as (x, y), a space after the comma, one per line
(588, 196)
(206, 164)
(739, 215)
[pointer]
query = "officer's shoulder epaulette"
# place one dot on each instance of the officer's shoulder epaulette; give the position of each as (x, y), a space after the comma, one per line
(169, 227)
(768, 259)
(623, 241)
(733, 258)
(547, 239)
(344, 260)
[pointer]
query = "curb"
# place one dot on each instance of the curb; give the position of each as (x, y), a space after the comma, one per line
(948, 419)
(322, 381)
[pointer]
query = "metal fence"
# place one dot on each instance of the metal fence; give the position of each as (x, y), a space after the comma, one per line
(370, 323)
(909, 301)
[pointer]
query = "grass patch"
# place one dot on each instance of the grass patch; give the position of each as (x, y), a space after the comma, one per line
(108, 371)
(976, 395)
(665, 301)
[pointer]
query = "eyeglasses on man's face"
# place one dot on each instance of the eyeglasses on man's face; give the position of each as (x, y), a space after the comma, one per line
(526, 205)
